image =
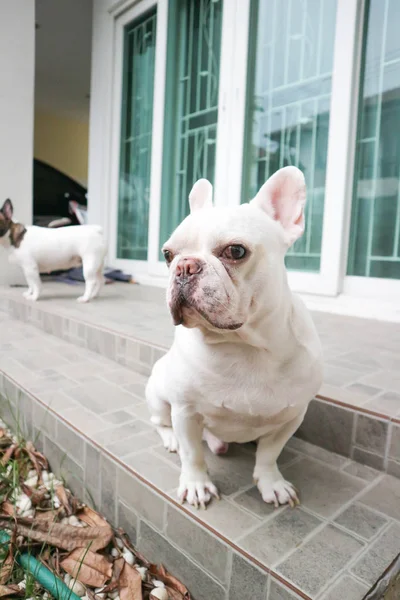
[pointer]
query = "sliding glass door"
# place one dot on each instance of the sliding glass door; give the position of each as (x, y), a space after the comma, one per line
(288, 106)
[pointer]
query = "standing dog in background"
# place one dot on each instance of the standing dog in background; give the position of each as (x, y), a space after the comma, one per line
(41, 250)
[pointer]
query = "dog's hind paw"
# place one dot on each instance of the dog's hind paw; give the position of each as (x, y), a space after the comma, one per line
(278, 492)
(196, 489)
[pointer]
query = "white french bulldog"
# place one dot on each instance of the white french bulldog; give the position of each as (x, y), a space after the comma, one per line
(246, 358)
(42, 250)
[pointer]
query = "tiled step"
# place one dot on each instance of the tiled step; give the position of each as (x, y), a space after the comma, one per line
(88, 415)
(356, 413)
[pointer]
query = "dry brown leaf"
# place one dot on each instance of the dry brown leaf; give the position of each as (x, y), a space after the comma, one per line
(8, 453)
(48, 516)
(117, 567)
(88, 567)
(160, 572)
(7, 508)
(36, 496)
(62, 536)
(6, 568)
(38, 460)
(10, 590)
(91, 517)
(63, 498)
(130, 583)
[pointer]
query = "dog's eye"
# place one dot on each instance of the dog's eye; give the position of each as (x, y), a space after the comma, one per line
(234, 252)
(168, 256)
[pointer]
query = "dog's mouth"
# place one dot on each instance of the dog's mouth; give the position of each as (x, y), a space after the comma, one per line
(186, 311)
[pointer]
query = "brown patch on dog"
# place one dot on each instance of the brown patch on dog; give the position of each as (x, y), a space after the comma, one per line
(17, 232)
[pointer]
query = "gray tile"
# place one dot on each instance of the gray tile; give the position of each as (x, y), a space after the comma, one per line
(70, 441)
(44, 420)
(330, 458)
(379, 556)
(247, 582)
(135, 443)
(339, 375)
(322, 489)
(120, 417)
(146, 354)
(100, 396)
(346, 588)
(92, 479)
(64, 467)
(393, 468)
(198, 543)
(328, 426)
(120, 432)
(394, 450)
(361, 520)
(155, 470)
(231, 471)
(366, 390)
(362, 471)
(128, 521)
(375, 461)
(320, 559)
(140, 497)
(108, 487)
(371, 434)
(272, 540)
(136, 389)
(100, 341)
(252, 501)
(278, 592)
(226, 518)
(157, 549)
(384, 497)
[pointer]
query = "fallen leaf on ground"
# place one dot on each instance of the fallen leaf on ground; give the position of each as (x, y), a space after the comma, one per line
(63, 498)
(8, 454)
(88, 567)
(10, 590)
(130, 583)
(160, 572)
(7, 508)
(62, 536)
(6, 568)
(91, 517)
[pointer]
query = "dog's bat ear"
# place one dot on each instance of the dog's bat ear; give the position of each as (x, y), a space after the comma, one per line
(201, 195)
(283, 198)
(7, 209)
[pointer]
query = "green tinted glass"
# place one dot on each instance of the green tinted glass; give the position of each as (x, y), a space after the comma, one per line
(375, 224)
(136, 132)
(191, 109)
(288, 103)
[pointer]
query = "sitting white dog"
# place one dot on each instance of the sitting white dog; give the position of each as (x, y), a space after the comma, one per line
(246, 359)
(41, 250)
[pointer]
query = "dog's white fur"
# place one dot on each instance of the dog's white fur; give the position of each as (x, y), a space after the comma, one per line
(246, 359)
(43, 250)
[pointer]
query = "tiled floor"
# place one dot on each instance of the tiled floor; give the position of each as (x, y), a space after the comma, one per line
(362, 357)
(342, 537)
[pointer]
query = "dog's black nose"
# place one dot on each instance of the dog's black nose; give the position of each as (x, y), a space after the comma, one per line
(187, 267)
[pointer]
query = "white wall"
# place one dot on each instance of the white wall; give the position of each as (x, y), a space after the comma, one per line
(17, 67)
(100, 112)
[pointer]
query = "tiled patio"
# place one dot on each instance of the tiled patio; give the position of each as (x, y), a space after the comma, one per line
(81, 396)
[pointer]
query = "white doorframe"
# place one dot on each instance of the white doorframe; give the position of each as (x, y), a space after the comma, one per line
(131, 12)
(341, 149)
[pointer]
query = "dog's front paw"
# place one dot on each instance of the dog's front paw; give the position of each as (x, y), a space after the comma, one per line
(277, 492)
(82, 299)
(196, 488)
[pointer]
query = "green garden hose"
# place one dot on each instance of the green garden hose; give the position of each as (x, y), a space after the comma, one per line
(46, 578)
